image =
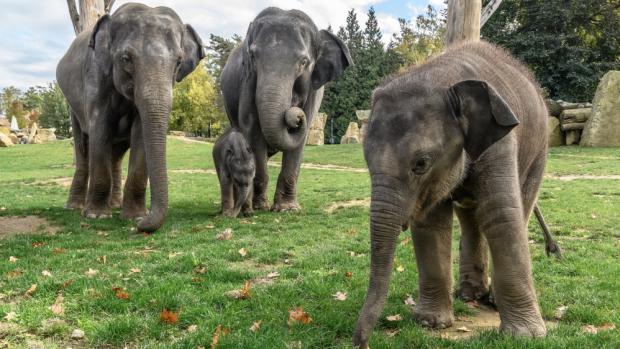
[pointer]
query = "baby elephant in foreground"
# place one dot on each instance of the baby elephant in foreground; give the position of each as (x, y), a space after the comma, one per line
(235, 167)
(464, 133)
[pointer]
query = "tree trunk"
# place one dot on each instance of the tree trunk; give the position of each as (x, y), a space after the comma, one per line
(89, 13)
(463, 21)
(489, 10)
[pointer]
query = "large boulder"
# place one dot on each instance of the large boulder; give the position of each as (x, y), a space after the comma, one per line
(316, 135)
(603, 127)
(363, 116)
(44, 135)
(5, 130)
(555, 133)
(5, 141)
(352, 136)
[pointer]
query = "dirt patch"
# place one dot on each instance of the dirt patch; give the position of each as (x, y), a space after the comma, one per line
(346, 204)
(326, 167)
(188, 140)
(10, 226)
(208, 171)
(63, 182)
(575, 177)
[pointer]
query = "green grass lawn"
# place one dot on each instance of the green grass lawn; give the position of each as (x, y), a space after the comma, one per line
(184, 268)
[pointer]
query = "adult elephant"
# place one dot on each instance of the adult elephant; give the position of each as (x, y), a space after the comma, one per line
(273, 86)
(118, 78)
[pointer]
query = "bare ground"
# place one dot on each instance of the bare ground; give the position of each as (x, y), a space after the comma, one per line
(10, 226)
(346, 204)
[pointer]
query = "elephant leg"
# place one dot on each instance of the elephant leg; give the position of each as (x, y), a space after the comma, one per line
(100, 171)
(247, 209)
(474, 259)
(227, 196)
(285, 197)
(261, 178)
(134, 192)
(79, 185)
(432, 241)
(118, 153)
(501, 220)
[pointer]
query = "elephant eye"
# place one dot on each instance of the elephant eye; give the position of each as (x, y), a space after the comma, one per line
(304, 63)
(126, 58)
(421, 165)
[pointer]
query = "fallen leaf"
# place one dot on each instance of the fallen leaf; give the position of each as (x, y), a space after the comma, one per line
(14, 273)
(77, 334)
(57, 307)
(243, 293)
(348, 274)
(102, 259)
(351, 253)
(392, 332)
(59, 250)
(298, 315)
(46, 273)
(463, 329)
(590, 329)
(173, 254)
(216, 335)
(396, 317)
(37, 244)
(273, 275)
(560, 311)
(340, 296)
(10, 316)
(168, 317)
(255, 326)
(406, 241)
(66, 283)
(12, 259)
(91, 272)
(134, 270)
(608, 326)
(409, 301)
(120, 293)
(192, 328)
(400, 268)
(243, 252)
(225, 235)
(351, 231)
(200, 269)
(31, 290)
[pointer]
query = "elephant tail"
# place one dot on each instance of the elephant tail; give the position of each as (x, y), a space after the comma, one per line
(551, 247)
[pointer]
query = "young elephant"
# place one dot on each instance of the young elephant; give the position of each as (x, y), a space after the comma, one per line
(235, 167)
(464, 133)
(118, 78)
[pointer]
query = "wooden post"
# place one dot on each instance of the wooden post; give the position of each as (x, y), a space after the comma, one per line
(463, 21)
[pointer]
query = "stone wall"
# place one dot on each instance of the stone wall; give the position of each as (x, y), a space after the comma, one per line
(603, 128)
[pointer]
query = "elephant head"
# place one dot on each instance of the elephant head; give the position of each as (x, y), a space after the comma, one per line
(143, 51)
(419, 142)
(289, 59)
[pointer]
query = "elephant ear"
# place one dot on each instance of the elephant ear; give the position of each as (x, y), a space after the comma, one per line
(100, 42)
(334, 58)
(483, 114)
(193, 52)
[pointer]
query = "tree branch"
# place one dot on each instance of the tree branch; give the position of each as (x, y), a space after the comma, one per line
(108, 5)
(75, 16)
(488, 11)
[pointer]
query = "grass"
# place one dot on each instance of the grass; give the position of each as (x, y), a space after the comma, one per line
(184, 268)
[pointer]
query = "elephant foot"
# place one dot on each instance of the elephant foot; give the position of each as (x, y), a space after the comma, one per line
(292, 206)
(230, 213)
(247, 211)
(435, 319)
(261, 205)
(74, 205)
(468, 292)
(134, 214)
(520, 327)
(97, 213)
(116, 202)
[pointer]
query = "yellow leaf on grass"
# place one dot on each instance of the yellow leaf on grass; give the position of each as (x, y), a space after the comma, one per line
(298, 315)
(340, 296)
(255, 326)
(243, 252)
(396, 317)
(31, 290)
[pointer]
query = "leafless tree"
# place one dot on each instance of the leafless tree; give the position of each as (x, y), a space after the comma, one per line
(88, 14)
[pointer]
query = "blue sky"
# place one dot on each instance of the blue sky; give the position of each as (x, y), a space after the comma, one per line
(34, 34)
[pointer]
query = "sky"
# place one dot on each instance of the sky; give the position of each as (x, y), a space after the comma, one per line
(34, 34)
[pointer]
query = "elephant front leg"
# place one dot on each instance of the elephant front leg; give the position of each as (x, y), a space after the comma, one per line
(285, 198)
(261, 178)
(79, 185)
(474, 259)
(432, 240)
(134, 196)
(513, 288)
(118, 152)
(100, 181)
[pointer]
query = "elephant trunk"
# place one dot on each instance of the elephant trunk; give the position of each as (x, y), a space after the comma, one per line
(386, 220)
(154, 102)
(284, 127)
(241, 196)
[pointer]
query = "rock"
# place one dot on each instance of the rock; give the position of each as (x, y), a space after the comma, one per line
(363, 115)
(575, 115)
(555, 133)
(6, 130)
(14, 138)
(570, 105)
(573, 126)
(352, 136)
(33, 132)
(5, 141)
(554, 108)
(603, 127)
(44, 135)
(77, 334)
(177, 133)
(573, 137)
(4, 122)
(316, 135)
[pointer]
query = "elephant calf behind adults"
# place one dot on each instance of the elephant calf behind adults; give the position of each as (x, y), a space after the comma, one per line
(118, 78)
(463, 133)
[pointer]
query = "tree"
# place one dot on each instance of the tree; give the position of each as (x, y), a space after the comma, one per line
(219, 50)
(569, 44)
(13, 105)
(195, 108)
(89, 13)
(54, 110)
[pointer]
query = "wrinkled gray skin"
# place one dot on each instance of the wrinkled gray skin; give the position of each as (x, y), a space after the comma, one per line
(118, 78)
(234, 162)
(273, 86)
(464, 133)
